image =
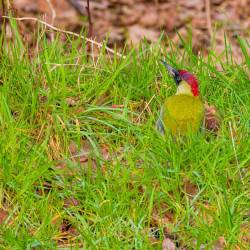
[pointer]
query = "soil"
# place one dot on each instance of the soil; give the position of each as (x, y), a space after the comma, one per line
(132, 20)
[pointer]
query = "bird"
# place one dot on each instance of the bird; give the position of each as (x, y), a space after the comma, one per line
(182, 113)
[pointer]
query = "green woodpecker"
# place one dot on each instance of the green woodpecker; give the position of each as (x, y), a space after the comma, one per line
(183, 112)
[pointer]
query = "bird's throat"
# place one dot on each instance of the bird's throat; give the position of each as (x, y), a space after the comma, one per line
(184, 89)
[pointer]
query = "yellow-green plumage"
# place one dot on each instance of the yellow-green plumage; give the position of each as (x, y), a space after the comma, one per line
(182, 114)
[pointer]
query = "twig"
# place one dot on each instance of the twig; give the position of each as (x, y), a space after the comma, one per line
(3, 5)
(208, 15)
(235, 154)
(2, 24)
(90, 31)
(89, 47)
(99, 45)
(56, 65)
(53, 16)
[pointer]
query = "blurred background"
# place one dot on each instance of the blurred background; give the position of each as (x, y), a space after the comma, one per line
(132, 20)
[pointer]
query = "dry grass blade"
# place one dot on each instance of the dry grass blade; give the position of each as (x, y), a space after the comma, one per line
(99, 45)
(146, 107)
(235, 153)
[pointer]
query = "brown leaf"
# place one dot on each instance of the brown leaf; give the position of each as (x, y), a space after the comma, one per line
(73, 148)
(168, 244)
(61, 165)
(3, 215)
(115, 36)
(80, 155)
(67, 229)
(79, 110)
(245, 230)
(192, 4)
(105, 152)
(42, 98)
(117, 106)
(67, 232)
(130, 17)
(45, 188)
(220, 243)
(161, 216)
(152, 235)
(189, 188)
(26, 5)
(212, 122)
(149, 19)
(137, 33)
(71, 102)
(71, 202)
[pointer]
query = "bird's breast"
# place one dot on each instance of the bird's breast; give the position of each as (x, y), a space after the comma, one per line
(182, 113)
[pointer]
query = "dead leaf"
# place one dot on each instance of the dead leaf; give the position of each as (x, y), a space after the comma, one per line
(45, 188)
(245, 230)
(3, 215)
(42, 98)
(67, 231)
(105, 152)
(153, 235)
(162, 217)
(189, 188)
(79, 110)
(71, 102)
(150, 18)
(129, 17)
(61, 165)
(137, 33)
(80, 154)
(117, 106)
(73, 148)
(220, 243)
(168, 244)
(212, 122)
(71, 202)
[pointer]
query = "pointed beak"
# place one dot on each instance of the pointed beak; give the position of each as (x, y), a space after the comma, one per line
(173, 72)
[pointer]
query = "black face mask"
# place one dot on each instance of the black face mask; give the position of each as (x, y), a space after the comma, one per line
(173, 72)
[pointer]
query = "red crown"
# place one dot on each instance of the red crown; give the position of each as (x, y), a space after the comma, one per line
(191, 80)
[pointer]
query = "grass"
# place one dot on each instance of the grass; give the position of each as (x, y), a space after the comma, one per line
(130, 185)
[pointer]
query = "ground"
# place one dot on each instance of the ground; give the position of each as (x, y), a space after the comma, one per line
(131, 20)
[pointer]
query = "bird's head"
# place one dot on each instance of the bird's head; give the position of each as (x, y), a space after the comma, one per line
(186, 82)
